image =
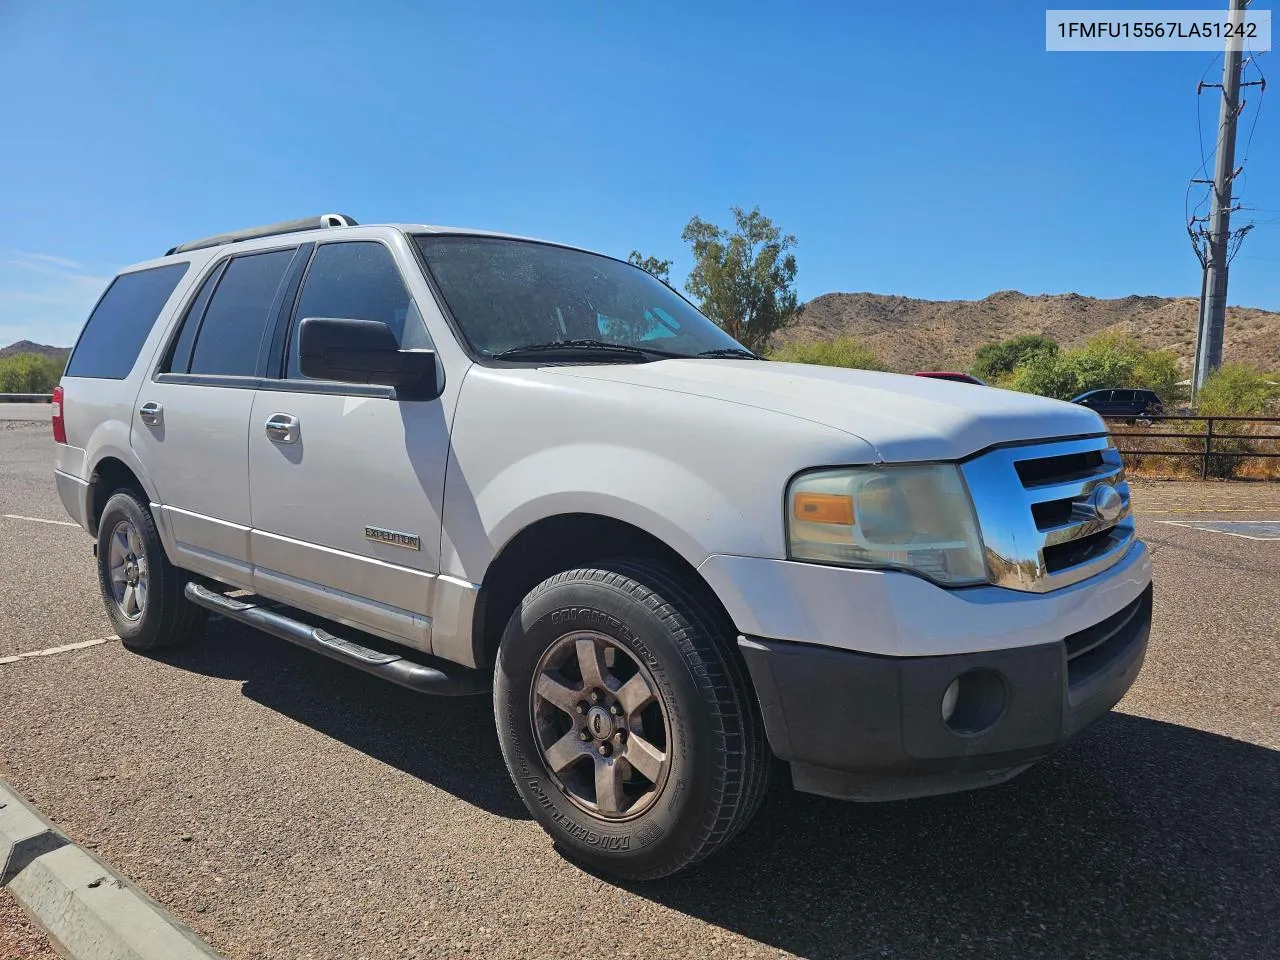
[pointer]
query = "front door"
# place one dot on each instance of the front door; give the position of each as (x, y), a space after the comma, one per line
(347, 481)
(191, 419)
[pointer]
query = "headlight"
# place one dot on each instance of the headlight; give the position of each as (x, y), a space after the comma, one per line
(917, 518)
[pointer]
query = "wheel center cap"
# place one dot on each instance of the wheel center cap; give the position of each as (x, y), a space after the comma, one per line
(600, 723)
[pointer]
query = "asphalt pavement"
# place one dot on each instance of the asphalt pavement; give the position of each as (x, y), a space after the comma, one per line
(40, 412)
(283, 805)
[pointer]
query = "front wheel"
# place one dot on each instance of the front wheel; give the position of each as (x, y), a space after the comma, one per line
(626, 721)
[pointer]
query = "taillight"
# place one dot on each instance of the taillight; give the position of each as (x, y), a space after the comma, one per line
(59, 427)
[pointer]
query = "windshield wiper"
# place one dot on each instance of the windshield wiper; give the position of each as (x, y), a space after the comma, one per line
(600, 347)
(740, 352)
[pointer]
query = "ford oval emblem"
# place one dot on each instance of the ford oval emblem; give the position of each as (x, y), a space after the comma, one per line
(1107, 503)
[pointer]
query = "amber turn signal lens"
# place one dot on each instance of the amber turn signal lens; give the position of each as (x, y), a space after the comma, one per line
(824, 508)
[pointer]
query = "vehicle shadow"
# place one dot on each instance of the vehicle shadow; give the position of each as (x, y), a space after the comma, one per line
(449, 742)
(1142, 839)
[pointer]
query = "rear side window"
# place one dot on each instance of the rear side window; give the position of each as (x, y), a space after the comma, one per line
(239, 312)
(180, 355)
(120, 322)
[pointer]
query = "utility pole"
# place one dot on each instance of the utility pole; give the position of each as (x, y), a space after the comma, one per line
(1213, 299)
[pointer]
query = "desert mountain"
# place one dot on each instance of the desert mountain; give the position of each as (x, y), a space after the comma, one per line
(43, 349)
(944, 334)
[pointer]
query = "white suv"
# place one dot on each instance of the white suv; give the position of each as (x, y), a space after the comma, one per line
(464, 461)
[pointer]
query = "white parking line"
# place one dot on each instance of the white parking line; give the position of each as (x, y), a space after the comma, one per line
(52, 650)
(1215, 526)
(60, 523)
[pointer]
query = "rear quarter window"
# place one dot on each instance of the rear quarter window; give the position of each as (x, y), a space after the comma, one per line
(109, 344)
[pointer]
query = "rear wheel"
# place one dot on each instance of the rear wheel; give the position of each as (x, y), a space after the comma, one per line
(142, 591)
(626, 721)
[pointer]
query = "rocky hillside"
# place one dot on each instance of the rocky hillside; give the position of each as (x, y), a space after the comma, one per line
(43, 349)
(944, 334)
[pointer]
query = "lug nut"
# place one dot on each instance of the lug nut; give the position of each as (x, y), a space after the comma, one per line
(614, 709)
(605, 750)
(584, 735)
(595, 696)
(619, 736)
(581, 708)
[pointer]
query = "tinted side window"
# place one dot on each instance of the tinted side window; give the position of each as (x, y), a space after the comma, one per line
(357, 280)
(179, 358)
(1123, 396)
(120, 322)
(238, 314)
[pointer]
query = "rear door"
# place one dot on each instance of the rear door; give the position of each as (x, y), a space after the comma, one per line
(191, 419)
(1125, 403)
(347, 498)
(1100, 400)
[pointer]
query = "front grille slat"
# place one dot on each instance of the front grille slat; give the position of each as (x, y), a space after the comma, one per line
(1078, 551)
(1058, 469)
(1036, 509)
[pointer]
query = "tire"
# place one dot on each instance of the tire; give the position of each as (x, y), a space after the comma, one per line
(651, 818)
(155, 613)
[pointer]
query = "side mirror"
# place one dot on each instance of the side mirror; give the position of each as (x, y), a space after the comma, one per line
(365, 351)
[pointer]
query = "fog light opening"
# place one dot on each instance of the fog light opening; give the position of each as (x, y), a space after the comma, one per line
(973, 702)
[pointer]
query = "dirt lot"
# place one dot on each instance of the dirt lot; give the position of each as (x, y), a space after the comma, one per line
(285, 806)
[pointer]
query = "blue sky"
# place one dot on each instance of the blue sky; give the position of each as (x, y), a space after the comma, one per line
(951, 159)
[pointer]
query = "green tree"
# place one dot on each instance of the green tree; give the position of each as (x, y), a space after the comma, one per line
(997, 360)
(743, 278)
(1160, 371)
(843, 352)
(1045, 374)
(1107, 360)
(29, 373)
(659, 268)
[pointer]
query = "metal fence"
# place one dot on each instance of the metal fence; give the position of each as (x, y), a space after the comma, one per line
(1240, 438)
(26, 398)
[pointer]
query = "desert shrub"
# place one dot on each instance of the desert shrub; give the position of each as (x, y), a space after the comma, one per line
(841, 352)
(1238, 390)
(29, 373)
(995, 361)
(1108, 360)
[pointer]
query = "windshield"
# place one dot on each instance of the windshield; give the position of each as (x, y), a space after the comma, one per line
(508, 294)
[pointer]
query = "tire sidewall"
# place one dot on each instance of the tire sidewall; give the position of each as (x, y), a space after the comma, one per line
(675, 819)
(123, 506)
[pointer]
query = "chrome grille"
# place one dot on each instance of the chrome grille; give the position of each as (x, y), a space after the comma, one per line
(1033, 505)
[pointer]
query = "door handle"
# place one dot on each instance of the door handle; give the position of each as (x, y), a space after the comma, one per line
(282, 428)
(150, 413)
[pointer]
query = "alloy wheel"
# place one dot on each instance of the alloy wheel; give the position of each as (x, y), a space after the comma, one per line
(601, 725)
(127, 566)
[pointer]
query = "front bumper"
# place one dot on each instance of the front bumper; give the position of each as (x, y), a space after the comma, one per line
(870, 727)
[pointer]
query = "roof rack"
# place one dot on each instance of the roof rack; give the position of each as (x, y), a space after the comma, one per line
(324, 221)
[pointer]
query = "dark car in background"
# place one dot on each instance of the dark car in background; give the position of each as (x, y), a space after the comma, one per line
(1121, 403)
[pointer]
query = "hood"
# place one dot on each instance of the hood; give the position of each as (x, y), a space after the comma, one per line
(904, 418)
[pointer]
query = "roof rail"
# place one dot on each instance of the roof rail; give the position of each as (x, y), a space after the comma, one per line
(323, 221)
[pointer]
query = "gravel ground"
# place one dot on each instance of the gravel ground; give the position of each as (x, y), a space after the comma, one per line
(20, 939)
(285, 806)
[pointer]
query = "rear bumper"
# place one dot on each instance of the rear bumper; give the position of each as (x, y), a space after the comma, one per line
(868, 727)
(74, 494)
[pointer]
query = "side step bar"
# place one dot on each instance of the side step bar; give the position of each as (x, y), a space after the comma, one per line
(390, 666)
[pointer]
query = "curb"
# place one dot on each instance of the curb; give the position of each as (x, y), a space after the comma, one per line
(88, 911)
